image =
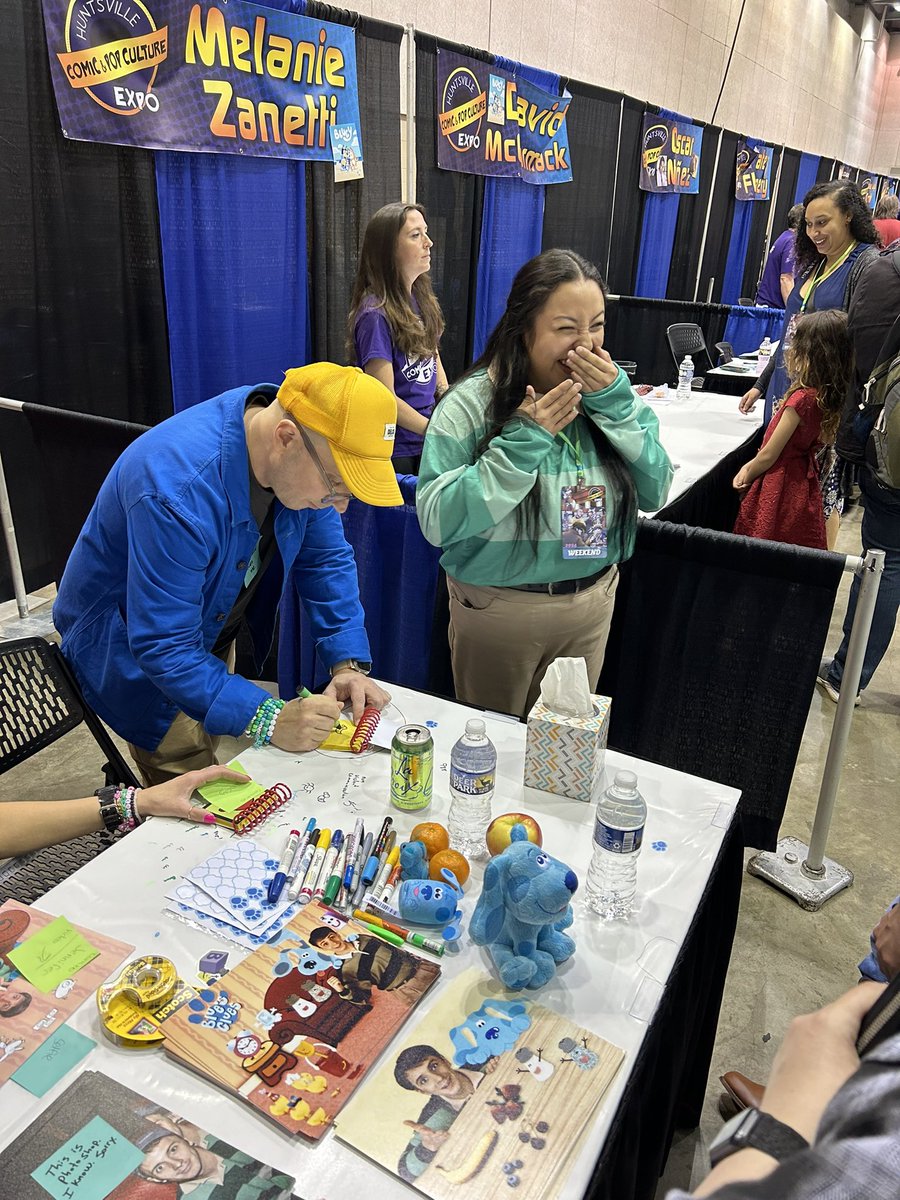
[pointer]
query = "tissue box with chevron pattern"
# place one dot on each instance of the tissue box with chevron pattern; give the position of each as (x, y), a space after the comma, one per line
(565, 754)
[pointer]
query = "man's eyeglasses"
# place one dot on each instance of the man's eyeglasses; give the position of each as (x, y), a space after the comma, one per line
(333, 496)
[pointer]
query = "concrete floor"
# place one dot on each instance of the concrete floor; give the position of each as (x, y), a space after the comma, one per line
(784, 960)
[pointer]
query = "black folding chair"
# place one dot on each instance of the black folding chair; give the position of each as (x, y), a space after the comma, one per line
(40, 702)
(726, 353)
(685, 339)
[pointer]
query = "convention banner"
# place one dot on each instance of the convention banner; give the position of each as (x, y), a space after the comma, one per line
(212, 76)
(752, 171)
(889, 187)
(491, 122)
(670, 155)
(868, 185)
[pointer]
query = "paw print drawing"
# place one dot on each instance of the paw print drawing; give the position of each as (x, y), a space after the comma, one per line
(213, 1010)
(432, 724)
(660, 846)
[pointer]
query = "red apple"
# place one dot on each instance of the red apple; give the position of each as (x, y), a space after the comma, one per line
(499, 831)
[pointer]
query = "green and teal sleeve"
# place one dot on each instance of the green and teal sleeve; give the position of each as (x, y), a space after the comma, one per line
(632, 427)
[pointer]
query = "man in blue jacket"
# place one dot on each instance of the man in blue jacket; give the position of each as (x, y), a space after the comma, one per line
(194, 532)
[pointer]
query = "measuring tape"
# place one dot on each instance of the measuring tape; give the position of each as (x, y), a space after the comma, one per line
(134, 1004)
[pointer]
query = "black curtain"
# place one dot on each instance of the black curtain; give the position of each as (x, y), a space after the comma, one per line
(577, 215)
(689, 224)
(756, 243)
(636, 329)
(453, 204)
(705, 665)
(787, 186)
(828, 168)
(337, 213)
(82, 316)
(721, 213)
(628, 209)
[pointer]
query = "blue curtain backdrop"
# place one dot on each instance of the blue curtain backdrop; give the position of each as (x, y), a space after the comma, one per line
(737, 250)
(806, 176)
(512, 222)
(657, 240)
(233, 234)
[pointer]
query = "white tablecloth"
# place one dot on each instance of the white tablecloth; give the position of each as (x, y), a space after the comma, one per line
(611, 986)
(698, 433)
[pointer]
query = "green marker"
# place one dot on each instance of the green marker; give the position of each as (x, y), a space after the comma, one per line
(393, 938)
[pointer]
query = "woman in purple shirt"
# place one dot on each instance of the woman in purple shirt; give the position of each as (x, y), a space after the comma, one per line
(396, 323)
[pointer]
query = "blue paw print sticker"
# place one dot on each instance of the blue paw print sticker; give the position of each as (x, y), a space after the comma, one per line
(252, 914)
(213, 1010)
(271, 864)
(238, 902)
(432, 724)
(660, 845)
(255, 893)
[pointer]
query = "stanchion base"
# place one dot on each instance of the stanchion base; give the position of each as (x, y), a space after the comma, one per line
(783, 868)
(37, 624)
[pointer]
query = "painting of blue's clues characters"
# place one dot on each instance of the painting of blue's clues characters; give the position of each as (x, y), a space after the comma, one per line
(495, 1027)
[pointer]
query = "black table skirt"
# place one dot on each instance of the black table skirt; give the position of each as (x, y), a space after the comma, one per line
(712, 503)
(668, 1084)
(730, 384)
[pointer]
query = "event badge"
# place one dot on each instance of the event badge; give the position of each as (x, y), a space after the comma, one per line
(583, 520)
(252, 567)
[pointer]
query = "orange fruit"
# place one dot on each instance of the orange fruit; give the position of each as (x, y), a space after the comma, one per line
(434, 837)
(453, 861)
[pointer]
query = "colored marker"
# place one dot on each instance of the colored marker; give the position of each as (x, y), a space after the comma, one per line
(382, 836)
(312, 874)
(303, 865)
(334, 892)
(301, 846)
(392, 881)
(362, 859)
(328, 866)
(393, 938)
(384, 871)
(287, 857)
(352, 841)
(421, 940)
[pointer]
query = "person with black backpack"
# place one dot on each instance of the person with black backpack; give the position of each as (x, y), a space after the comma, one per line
(869, 435)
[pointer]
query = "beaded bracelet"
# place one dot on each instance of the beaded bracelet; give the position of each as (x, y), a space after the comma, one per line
(118, 809)
(262, 724)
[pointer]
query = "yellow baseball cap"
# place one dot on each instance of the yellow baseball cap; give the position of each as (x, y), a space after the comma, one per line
(358, 417)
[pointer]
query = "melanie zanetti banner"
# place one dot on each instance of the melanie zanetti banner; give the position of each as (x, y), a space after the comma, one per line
(493, 123)
(226, 77)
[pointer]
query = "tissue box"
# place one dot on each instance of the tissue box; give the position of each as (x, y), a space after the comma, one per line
(565, 754)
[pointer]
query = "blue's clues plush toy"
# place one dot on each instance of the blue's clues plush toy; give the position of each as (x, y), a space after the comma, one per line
(413, 861)
(522, 910)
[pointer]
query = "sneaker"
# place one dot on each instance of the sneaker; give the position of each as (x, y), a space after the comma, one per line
(831, 691)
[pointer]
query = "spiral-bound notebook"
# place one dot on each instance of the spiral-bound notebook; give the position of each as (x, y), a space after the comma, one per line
(372, 730)
(242, 806)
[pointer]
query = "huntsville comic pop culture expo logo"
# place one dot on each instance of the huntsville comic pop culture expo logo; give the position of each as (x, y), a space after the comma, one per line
(463, 106)
(113, 52)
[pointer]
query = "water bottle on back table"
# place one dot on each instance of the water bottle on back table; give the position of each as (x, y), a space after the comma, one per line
(473, 769)
(618, 834)
(685, 375)
(763, 354)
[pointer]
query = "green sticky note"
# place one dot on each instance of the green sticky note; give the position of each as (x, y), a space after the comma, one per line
(225, 796)
(89, 1165)
(54, 953)
(53, 1059)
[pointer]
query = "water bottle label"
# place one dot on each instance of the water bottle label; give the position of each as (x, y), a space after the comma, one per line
(471, 783)
(617, 841)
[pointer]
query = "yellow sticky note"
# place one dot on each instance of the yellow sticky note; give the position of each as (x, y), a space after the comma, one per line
(54, 953)
(225, 796)
(339, 738)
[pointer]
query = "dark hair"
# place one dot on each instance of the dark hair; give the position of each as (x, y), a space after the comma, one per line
(820, 356)
(507, 356)
(887, 207)
(795, 216)
(377, 276)
(18, 1007)
(410, 1058)
(849, 200)
(319, 934)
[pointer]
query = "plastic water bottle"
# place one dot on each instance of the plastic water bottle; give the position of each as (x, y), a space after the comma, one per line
(763, 355)
(473, 768)
(685, 375)
(618, 834)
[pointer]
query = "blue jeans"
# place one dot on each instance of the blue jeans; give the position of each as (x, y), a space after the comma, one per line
(880, 531)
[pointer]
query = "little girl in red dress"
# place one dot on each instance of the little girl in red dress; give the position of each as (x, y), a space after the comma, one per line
(782, 497)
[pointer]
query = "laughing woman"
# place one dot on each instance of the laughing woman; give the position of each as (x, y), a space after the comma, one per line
(533, 470)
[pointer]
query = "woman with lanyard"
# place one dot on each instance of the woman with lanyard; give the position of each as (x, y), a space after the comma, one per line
(834, 246)
(534, 466)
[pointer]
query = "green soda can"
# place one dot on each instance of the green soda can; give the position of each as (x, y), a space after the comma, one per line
(412, 766)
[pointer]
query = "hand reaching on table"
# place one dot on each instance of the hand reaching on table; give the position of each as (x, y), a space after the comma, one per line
(353, 688)
(749, 399)
(304, 724)
(173, 798)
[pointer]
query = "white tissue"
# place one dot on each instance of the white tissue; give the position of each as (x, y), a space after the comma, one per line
(565, 688)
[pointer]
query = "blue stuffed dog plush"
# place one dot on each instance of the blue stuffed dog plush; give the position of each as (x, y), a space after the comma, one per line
(521, 912)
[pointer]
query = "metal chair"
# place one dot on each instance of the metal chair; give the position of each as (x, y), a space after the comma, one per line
(746, 302)
(40, 702)
(688, 339)
(726, 353)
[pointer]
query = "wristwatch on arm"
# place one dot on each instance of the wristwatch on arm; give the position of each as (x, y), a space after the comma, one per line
(759, 1131)
(351, 664)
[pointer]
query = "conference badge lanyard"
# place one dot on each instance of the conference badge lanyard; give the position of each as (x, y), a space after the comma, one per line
(582, 512)
(818, 278)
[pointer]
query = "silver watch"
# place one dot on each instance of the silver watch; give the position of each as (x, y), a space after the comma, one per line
(352, 664)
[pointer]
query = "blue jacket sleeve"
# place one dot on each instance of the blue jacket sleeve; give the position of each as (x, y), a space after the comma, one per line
(324, 575)
(169, 560)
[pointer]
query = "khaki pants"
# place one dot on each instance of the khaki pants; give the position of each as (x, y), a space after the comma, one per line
(503, 640)
(186, 746)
